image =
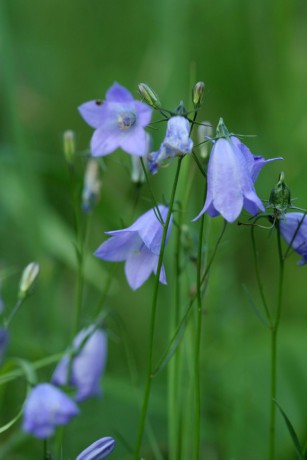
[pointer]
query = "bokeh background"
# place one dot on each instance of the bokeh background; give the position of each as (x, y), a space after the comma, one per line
(56, 55)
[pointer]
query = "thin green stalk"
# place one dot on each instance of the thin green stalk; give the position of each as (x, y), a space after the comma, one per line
(151, 192)
(80, 234)
(14, 311)
(153, 317)
(173, 368)
(197, 342)
(274, 332)
(258, 276)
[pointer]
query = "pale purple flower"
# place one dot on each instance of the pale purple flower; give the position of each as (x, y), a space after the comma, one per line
(295, 222)
(46, 407)
(87, 365)
(98, 450)
(138, 245)
(254, 162)
(177, 142)
(230, 184)
(119, 122)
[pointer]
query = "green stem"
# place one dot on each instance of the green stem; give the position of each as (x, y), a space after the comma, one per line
(173, 368)
(258, 276)
(197, 342)
(153, 317)
(80, 235)
(157, 210)
(274, 332)
(14, 311)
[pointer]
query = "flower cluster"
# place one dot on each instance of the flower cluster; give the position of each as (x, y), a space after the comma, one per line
(46, 405)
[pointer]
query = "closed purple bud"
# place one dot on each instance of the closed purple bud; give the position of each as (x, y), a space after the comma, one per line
(87, 366)
(119, 122)
(98, 450)
(139, 246)
(46, 407)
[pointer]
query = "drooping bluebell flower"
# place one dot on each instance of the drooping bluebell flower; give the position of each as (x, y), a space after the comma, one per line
(119, 122)
(177, 142)
(230, 186)
(98, 450)
(46, 407)
(138, 245)
(232, 170)
(87, 365)
(295, 222)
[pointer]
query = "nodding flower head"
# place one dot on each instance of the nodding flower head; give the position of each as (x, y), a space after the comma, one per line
(177, 142)
(46, 407)
(232, 170)
(137, 245)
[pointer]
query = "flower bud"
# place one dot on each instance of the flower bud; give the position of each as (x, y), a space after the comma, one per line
(149, 96)
(28, 278)
(280, 197)
(69, 143)
(198, 94)
(98, 450)
(92, 185)
(204, 132)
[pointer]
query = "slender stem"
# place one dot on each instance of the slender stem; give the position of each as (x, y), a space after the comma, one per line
(197, 342)
(14, 311)
(173, 368)
(153, 317)
(80, 235)
(151, 192)
(258, 276)
(274, 332)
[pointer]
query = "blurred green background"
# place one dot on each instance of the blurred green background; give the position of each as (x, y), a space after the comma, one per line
(56, 55)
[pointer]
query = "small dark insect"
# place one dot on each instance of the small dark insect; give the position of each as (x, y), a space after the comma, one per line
(99, 101)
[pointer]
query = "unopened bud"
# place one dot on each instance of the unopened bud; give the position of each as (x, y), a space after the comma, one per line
(204, 133)
(69, 141)
(92, 185)
(28, 278)
(280, 197)
(149, 95)
(198, 94)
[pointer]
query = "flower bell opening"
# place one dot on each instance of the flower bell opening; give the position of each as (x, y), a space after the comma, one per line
(126, 120)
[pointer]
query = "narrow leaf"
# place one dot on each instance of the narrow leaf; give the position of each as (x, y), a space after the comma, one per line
(175, 341)
(293, 435)
(255, 308)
